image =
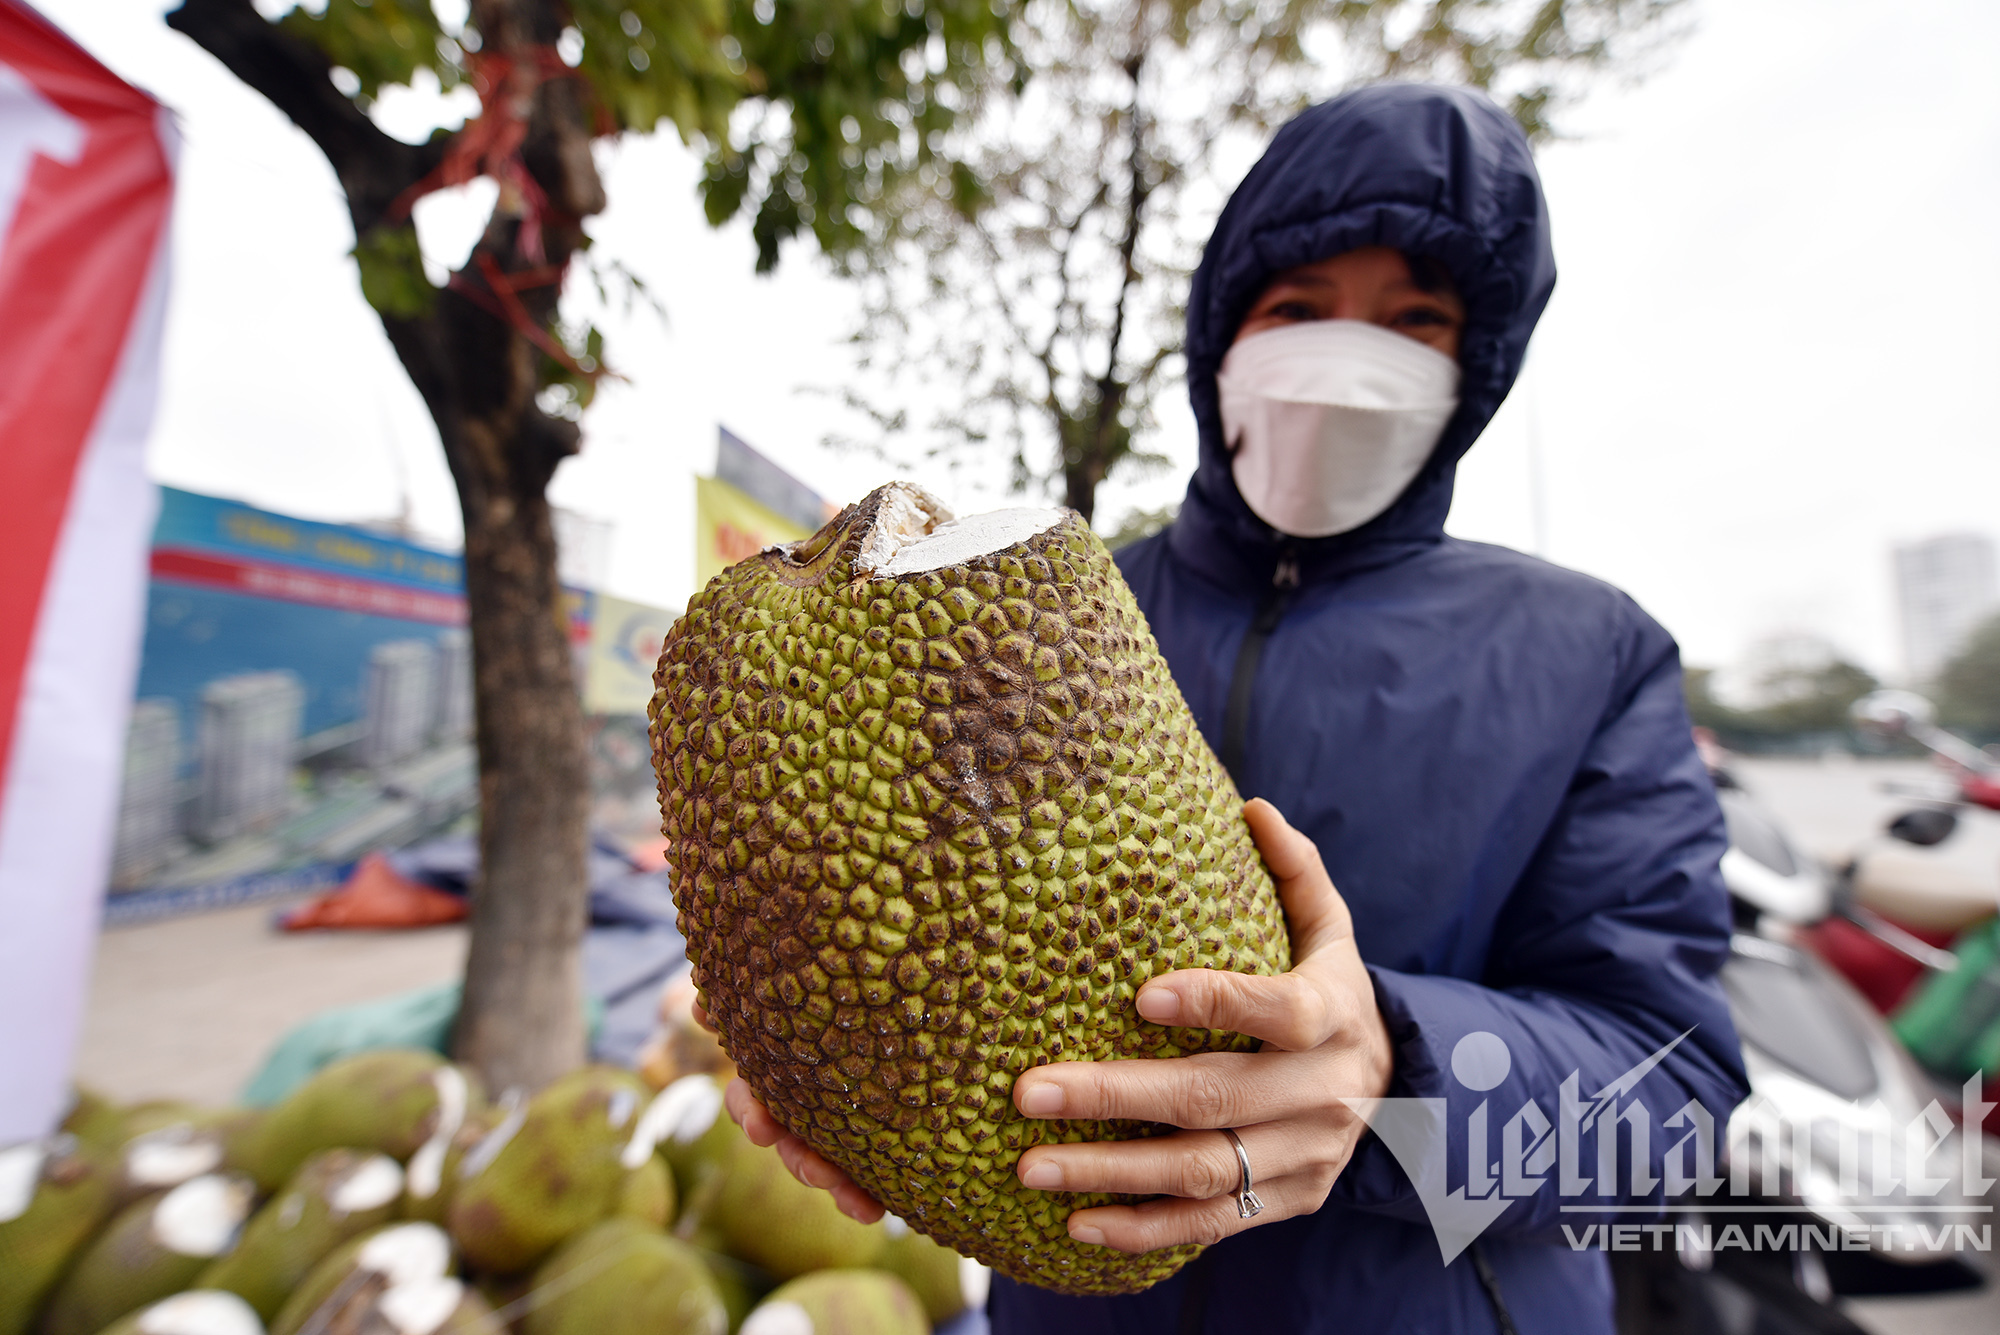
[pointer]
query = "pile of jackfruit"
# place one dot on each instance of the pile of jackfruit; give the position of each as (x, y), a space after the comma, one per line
(388, 1194)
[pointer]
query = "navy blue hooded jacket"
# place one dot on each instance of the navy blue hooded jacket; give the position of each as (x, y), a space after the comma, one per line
(1491, 753)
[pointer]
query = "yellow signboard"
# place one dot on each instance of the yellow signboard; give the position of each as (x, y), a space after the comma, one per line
(625, 639)
(729, 526)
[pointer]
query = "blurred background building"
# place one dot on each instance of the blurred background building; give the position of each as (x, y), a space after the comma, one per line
(305, 697)
(1945, 586)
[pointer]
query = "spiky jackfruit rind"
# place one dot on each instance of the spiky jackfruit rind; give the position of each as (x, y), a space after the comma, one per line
(930, 831)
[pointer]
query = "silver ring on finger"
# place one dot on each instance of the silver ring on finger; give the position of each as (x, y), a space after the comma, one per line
(1247, 1203)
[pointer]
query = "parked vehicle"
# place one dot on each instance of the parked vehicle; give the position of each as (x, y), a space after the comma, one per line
(1826, 1075)
(1905, 715)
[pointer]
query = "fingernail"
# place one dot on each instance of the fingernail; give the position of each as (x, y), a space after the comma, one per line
(1085, 1233)
(1042, 1099)
(1161, 1005)
(1042, 1175)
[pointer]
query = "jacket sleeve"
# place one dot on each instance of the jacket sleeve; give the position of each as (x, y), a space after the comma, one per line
(1605, 954)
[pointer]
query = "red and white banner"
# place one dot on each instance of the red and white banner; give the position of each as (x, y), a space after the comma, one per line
(86, 187)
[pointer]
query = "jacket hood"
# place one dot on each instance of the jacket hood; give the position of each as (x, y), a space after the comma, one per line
(1433, 171)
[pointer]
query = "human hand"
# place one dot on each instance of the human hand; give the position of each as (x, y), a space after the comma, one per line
(807, 1164)
(1323, 1038)
(1324, 1041)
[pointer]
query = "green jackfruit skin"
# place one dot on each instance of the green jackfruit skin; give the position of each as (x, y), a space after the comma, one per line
(740, 1283)
(699, 1165)
(557, 1175)
(318, 1285)
(135, 1323)
(630, 1280)
(775, 1222)
(78, 1186)
(123, 1268)
(930, 831)
(384, 1101)
(930, 1269)
(649, 1194)
(94, 1119)
(851, 1302)
(335, 1276)
(434, 1208)
(294, 1231)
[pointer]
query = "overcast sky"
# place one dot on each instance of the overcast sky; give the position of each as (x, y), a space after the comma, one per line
(1771, 353)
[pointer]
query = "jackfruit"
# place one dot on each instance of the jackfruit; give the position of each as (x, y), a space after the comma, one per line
(840, 1302)
(432, 1177)
(681, 1047)
(396, 1279)
(167, 1149)
(936, 810)
(93, 1118)
(697, 1141)
(622, 1278)
(391, 1101)
(775, 1222)
(551, 1172)
(154, 1248)
(740, 1283)
(649, 1193)
(196, 1312)
(53, 1195)
(944, 1282)
(335, 1195)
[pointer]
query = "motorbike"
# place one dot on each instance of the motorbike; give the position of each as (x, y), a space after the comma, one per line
(1906, 716)
(1830, 1087)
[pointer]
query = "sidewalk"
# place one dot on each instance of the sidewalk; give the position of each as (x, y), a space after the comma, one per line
(186, 1009)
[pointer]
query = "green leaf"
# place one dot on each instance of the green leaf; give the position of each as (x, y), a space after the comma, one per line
(380, 41)
(660, 60)
(867, 110)
(392, 272)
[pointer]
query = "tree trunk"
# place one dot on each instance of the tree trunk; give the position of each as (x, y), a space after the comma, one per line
(521, 1020)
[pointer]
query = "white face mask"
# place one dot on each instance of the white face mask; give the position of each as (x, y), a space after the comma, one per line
(1330, 420)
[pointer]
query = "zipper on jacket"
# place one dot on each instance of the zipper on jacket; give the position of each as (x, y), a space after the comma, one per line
(1243, 678)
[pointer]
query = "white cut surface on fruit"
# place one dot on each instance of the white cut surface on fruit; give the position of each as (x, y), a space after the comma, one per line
(778, 1319)
(685, 1110)
(201, 1312)
(170, 1156)
(894, 1226)
(623, 1104)
(376, 1182)
(201, 1216)
(967, 539)
(406, 1254)
(20, 1174)
(907, 514)
(420, 1307)
(487, 1150)
(427, 1164)
(974, 1280)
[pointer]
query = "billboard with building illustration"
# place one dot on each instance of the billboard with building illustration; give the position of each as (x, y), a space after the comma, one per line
(305, 696)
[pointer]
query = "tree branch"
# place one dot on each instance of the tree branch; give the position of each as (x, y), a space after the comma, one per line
(374, 168)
